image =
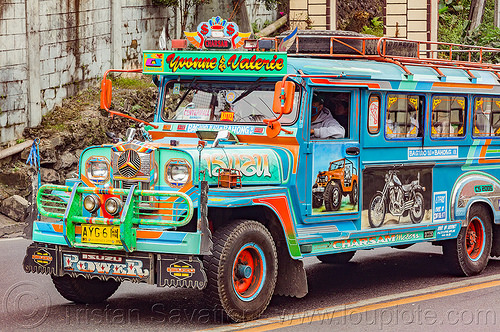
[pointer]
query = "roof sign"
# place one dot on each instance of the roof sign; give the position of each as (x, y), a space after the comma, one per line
(217, 33)
(212, 63)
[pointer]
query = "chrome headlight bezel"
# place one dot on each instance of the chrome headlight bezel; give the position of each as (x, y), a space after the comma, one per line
(91, 203)
(97, 169)
(177, 173)
(118, 205)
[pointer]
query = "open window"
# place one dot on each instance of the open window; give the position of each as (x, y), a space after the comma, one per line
(404, 116)
(333, 114)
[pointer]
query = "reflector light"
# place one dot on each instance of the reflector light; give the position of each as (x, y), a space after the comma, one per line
(179, 44)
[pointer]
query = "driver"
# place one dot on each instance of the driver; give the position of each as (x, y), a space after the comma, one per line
(323, 125)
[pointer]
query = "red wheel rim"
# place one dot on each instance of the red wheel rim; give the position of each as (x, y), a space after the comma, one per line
(246, 286)
(474, 238)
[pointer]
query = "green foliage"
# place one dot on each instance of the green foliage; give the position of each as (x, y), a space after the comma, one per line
(375, 28)
(131, 83)
(255, 25)
(454, 26)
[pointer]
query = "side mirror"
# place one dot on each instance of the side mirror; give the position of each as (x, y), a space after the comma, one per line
(283, 97)
(106, 88)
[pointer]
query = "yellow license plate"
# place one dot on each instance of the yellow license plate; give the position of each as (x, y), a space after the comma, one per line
(102, 234)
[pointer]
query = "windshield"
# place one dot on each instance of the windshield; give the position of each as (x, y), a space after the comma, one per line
(203, 101)
(336, 165)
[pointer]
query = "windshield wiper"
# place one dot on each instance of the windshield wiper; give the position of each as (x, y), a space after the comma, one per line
(185, 94)
(251, 89)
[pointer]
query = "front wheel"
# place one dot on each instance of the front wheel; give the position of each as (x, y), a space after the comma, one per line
(468, 254)
(317, 198)
(332, 196)
(417, 211)
(83, 290)
(242, 270)
(376, 211)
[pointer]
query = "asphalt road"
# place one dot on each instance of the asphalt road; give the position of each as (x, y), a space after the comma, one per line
(384, 289)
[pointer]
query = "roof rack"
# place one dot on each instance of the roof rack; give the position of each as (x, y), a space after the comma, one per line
(402, 52)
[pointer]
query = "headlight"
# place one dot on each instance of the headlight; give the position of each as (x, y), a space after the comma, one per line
(113, 205)
(178, 173)
(91, 203)
(97, 169)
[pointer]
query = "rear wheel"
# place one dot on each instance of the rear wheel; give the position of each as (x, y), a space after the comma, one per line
(83, 290)
(242, 270)
(340, 258)
(468, 254)
(333, 196)
(417, 211)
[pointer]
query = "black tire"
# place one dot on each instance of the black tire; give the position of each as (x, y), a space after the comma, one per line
(341, 258)
(317, 199)
(318, 41)
(417, 212)
(242, 298)
(332, 196)
(83, 290)
(376, 211)
(468, 254)
(353, 195)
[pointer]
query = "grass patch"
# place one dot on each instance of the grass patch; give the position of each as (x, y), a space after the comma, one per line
(132, 83)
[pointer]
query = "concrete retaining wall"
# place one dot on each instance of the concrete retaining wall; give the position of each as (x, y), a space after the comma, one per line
(50, 49)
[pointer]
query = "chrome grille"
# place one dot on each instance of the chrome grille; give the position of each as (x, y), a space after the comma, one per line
(129, 163)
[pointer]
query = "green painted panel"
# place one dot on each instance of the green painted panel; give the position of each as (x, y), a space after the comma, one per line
(213, 63)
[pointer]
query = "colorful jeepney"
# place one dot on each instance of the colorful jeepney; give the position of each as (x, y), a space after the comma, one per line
(217, 193)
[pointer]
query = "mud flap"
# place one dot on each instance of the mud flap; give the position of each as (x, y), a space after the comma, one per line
(181, 271)
(41, 259)
(292, 278)
(495, 247)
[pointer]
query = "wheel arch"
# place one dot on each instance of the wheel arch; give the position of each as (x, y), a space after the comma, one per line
(220, 216)
(292, 279)
(462, 196)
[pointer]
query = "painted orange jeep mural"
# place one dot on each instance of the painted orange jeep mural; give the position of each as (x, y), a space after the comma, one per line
(341, 179)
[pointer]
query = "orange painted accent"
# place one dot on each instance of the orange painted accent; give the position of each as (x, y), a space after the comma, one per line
(142, 234)
(327, 81)
(280, 205)
(57, 228)
(482, 154)
(462, 85)
(87, 181)
(160, 134)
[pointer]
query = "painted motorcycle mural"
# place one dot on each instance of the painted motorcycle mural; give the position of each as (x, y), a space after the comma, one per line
(398, 199)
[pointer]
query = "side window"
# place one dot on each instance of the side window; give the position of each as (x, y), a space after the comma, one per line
(404, 116)
(486, 116)
(374, 114)
(448, 116)
(330, 113)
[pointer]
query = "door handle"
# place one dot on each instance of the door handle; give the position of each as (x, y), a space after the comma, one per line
(353, 151)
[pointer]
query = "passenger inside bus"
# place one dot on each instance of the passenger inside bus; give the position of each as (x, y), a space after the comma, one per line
(323, 125)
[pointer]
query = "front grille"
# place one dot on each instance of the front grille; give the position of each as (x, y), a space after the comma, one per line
(129, 163)
(128, 185)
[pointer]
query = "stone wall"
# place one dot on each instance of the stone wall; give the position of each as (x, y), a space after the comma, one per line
(13, 74)
(50, 49)
(71, 43)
